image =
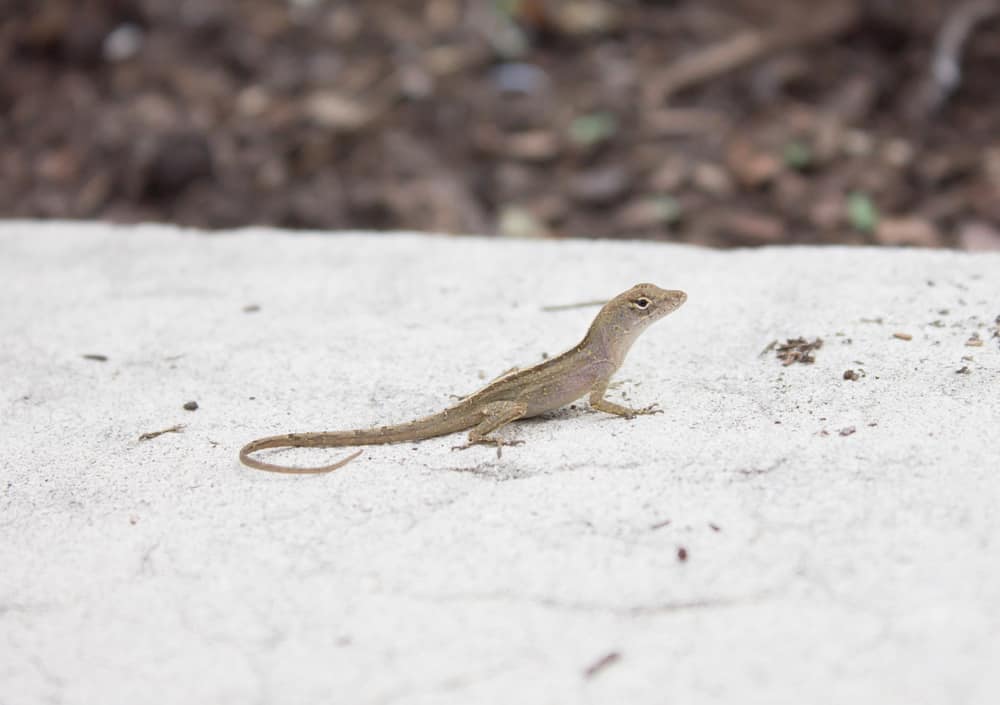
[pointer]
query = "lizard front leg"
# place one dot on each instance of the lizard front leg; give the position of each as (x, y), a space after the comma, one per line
(598, 402)
(496, 415)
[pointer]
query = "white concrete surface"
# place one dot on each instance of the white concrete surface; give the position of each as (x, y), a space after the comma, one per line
(820, 568)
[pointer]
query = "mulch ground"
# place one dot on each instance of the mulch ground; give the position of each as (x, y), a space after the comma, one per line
(720, 122)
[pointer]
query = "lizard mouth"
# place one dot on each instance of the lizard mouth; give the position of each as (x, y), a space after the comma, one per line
(674, 299)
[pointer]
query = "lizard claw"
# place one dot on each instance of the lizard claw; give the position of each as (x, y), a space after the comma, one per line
(644, 411)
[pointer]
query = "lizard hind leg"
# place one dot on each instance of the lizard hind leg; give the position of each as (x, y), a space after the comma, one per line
(496, 415)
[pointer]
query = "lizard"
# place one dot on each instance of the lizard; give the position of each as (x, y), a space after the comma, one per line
(583, 370)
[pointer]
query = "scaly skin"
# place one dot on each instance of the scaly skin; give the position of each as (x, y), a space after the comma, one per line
(584, 370)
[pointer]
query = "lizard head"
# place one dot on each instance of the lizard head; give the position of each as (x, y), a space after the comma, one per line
(627, 315)
(645, 303)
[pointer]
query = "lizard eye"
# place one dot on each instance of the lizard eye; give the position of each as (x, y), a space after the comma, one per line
(641, 303)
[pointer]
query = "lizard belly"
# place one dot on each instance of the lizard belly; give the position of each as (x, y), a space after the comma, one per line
(555, 393)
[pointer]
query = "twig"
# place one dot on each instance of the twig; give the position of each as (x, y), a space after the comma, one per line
(602, 663)
(178, 428)
(945, 74)
(749, 47)
(683, 122)
(566, 307)
(710, 62)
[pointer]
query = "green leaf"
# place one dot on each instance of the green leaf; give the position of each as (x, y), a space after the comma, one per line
(668, 209)
(588, 130)
(861, 212)
(508, 7)
(797, 155)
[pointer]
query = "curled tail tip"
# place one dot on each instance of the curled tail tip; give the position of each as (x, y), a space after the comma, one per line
(249, 448)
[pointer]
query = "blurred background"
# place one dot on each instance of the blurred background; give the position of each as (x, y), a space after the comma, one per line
(718, 122)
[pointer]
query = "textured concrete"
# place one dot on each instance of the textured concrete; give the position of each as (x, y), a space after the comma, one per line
(822, 565)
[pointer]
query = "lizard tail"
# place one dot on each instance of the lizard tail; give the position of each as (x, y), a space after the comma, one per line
(427, 427)
(286, 441)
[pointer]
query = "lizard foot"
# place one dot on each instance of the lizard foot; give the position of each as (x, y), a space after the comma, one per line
(651, 409)
(644, 411)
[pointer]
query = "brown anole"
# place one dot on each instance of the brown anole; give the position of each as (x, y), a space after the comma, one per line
(583, 370)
